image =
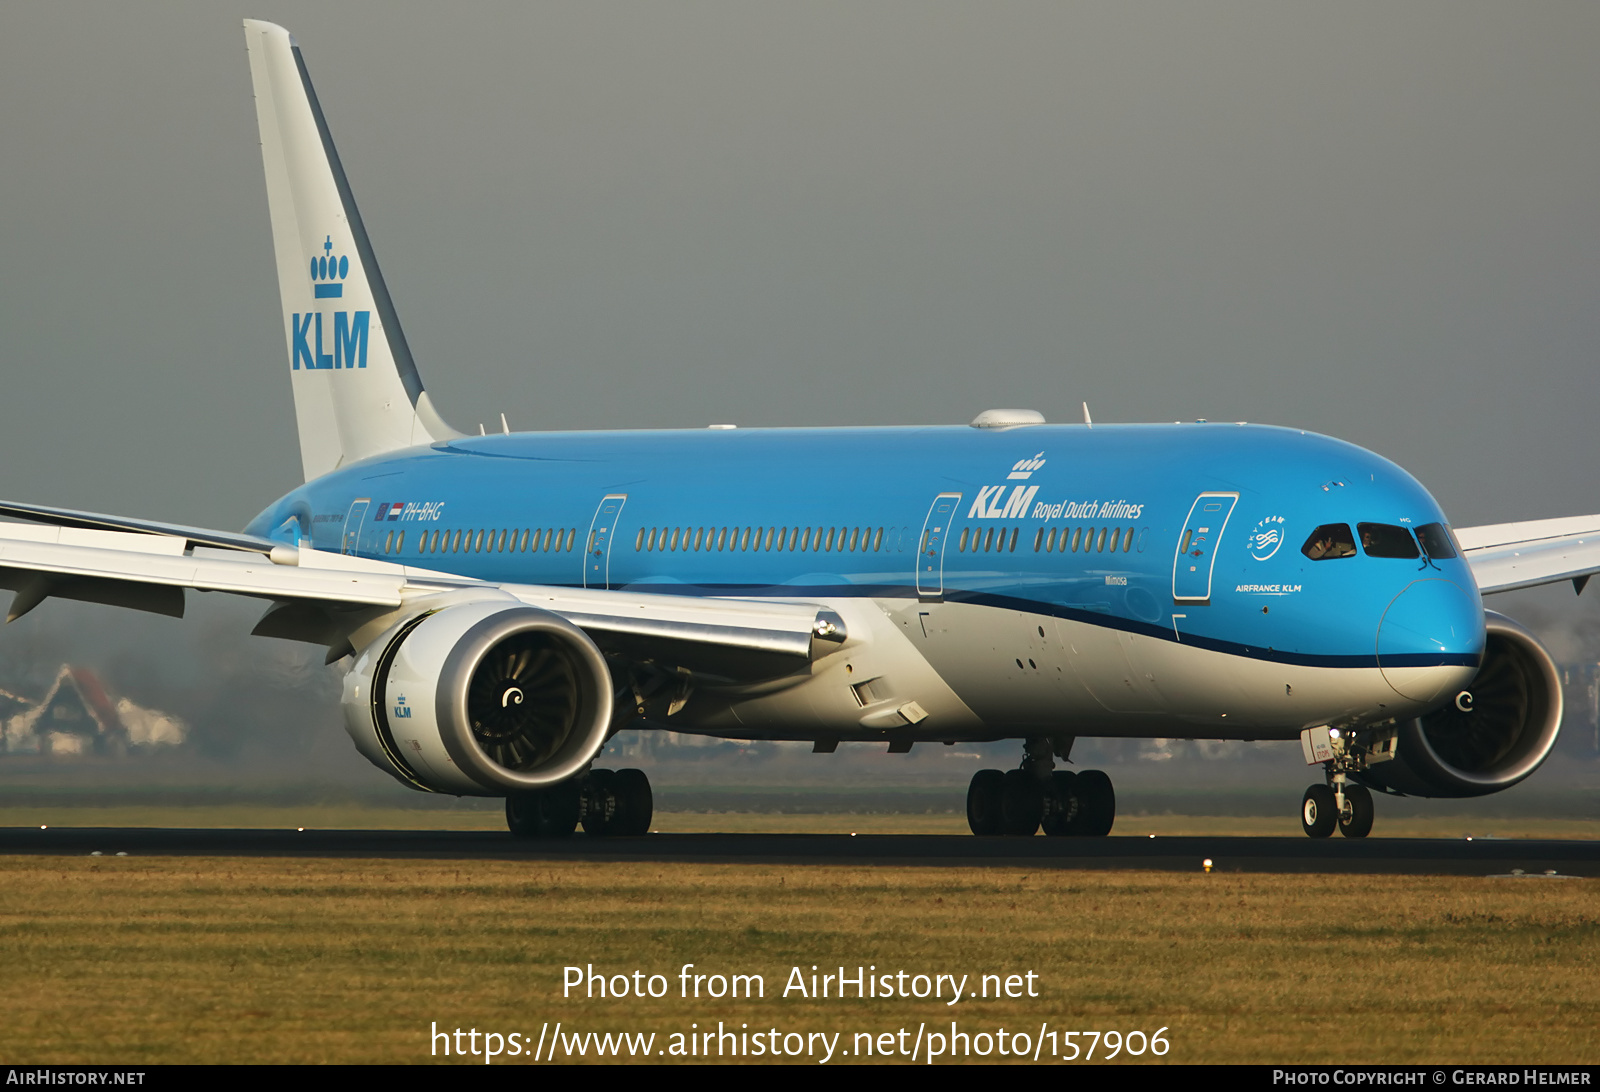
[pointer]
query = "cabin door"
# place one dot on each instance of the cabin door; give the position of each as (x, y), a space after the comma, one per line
(930, 547)
(1197, 546)
(352, 525)
(597, 551)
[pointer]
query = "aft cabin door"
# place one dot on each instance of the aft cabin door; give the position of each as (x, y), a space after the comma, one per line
(930, 547)
(1197, 546)
(352, 525)
(597, 554)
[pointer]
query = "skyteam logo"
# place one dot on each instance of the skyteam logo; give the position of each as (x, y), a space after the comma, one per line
(350, 329)
(1025, 468)
(1265, 538)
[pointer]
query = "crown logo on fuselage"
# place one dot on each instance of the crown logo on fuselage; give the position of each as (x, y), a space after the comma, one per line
(328, 272)
(1026, 467)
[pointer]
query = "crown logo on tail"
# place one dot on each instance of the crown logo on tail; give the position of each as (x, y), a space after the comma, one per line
(328, 273)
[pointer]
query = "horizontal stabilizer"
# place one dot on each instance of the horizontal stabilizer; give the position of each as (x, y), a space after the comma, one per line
(98, 521)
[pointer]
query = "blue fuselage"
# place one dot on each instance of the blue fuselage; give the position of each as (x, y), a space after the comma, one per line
(1067, 521)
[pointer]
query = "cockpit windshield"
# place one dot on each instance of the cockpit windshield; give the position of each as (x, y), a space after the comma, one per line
(1334, 540)
(1330, 541)
(1436, 540)
(1387, 540)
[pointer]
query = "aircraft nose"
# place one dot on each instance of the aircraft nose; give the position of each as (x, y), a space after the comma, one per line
(1430, 640)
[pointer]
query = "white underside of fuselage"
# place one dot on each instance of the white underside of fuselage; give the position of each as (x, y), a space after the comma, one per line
(915, 671)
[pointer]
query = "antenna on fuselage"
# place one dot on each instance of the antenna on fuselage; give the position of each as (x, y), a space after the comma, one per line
(505, 428)
(1086, 418)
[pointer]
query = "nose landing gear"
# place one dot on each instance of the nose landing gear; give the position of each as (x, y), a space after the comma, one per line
(1018, 802)
(1323, 808)
(1341, 802)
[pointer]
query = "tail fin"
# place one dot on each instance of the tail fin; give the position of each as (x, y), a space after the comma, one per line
(356, 389)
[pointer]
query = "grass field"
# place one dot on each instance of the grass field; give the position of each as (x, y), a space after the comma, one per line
(144, 960)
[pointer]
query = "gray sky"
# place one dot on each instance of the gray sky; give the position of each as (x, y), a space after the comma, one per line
(1374, 220)
(1377, 221)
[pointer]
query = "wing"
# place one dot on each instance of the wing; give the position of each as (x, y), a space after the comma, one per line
(1508, 556)
(328, 598)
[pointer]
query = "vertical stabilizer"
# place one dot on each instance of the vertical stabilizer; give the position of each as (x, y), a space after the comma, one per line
(356, 389)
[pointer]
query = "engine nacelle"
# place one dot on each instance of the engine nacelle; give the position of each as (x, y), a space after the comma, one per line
(480, 699)
(1491, 735)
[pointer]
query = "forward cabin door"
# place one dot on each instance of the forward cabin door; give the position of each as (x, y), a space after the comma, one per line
(930, 547)
(597, 552)
(1197, 546)
(352, 525)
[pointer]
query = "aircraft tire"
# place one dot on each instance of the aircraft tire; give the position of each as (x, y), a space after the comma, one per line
(1061, 804)
(1097, 804)
(1357, 823)
(601, 808)
(635, 803)
(547, 813)
(1021, 804)
(983, 802)
(1318, 812)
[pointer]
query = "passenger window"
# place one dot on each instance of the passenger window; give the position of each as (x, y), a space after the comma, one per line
(1116, 539)
(1387, 540)
(965, 533)
(1015, 531)
(1127, 540)
(1330, 541)
(1436, 541)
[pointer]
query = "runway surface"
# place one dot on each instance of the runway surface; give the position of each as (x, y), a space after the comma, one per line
(1531, 858)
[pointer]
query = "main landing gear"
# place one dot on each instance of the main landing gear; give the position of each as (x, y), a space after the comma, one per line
(1019, 802)
(606, 802)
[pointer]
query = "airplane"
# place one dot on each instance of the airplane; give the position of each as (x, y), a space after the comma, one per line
(503, 604)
